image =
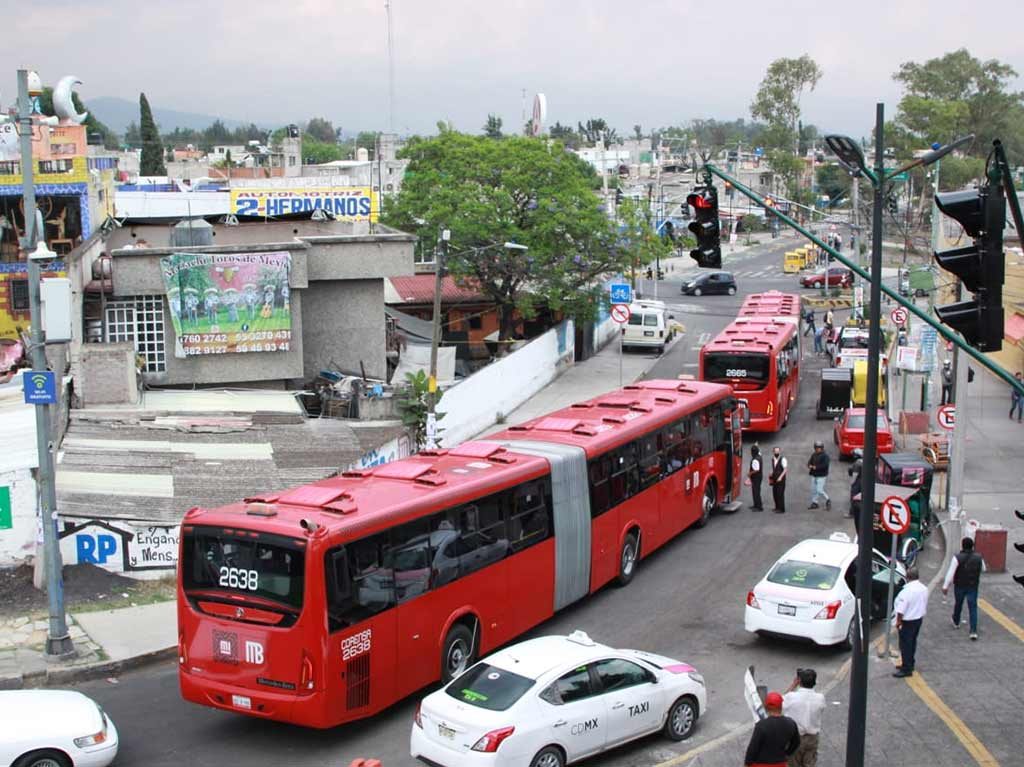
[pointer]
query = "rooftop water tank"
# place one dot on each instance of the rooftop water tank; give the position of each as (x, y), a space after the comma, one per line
(191, 233)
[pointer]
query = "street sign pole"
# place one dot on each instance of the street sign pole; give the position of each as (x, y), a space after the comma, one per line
(58, 643)
(886, 516)
(888, 599)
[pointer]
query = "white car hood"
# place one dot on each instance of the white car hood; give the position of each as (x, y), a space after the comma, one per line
(34, 714)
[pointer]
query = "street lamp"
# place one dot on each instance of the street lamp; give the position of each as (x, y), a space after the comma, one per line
(851, 156)
(435, 337)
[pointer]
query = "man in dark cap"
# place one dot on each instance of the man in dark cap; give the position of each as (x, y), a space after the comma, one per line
(774, 738)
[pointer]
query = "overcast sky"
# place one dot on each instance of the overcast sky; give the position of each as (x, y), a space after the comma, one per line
(652, 62)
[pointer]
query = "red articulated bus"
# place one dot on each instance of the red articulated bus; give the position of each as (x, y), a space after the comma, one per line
(760, 359)
(329, 602)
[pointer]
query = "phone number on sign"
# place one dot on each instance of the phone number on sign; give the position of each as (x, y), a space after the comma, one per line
(223, 348)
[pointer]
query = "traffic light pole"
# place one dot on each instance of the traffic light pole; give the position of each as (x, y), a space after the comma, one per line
(940, 328)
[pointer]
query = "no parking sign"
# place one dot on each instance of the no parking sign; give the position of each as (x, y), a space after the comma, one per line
(895, 516)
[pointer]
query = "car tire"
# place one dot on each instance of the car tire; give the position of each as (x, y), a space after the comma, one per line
(629, 555)
(697, 291)
(43, 758)
(661, 349)
(851, 634)
(682, 719)
(707, 504)
(549, 756)
(732, 290)
(457, 653)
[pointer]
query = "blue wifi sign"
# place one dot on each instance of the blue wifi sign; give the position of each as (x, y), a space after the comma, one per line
(40, 387)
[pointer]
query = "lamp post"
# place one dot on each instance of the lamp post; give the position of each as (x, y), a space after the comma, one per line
(852, 158)
(435, 337)
(58, 644)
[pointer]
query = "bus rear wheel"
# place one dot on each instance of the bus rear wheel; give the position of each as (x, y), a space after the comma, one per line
(628, 557)
(707, 504)
(457, 654)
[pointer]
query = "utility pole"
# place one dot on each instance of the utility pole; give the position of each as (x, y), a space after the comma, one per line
(858, 308)
(391, 69)
(435, 342)
(58, 644)
(955, 475)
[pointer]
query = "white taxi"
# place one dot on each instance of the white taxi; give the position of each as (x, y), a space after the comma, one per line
(809, 592)
(554, 700)
(48, 728)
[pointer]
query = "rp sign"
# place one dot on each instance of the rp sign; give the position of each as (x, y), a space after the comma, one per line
(945, 416)
(895, 516)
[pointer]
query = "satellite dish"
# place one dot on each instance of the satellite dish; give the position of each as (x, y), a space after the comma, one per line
(64, 105)
(540, 113)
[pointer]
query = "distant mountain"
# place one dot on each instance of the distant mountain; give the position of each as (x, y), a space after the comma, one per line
(118, 113)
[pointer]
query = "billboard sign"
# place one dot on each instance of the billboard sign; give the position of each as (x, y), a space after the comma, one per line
(345, 203)
(229, 303)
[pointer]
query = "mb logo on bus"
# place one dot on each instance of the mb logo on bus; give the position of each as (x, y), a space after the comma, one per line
(253, 652)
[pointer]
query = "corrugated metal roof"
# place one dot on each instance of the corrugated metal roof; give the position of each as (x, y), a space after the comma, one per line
(419, 289)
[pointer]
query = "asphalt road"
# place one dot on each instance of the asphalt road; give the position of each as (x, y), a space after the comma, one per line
(685, 602)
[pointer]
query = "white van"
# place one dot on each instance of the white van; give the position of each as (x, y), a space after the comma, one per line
(647, 326)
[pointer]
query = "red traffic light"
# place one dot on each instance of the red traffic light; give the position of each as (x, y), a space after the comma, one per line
(699, 201)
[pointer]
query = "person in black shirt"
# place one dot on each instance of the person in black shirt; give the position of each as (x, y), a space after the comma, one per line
(777, 479)
(774, 738)
(755, 474)
(817, 465)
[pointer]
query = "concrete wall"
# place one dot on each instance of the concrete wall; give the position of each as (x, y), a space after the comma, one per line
(19, 541)
(344, 323)
(358, 257)
(498, 389)
(107, 375)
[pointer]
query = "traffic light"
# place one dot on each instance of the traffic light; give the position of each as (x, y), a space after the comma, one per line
(705, 226)
(982, 214)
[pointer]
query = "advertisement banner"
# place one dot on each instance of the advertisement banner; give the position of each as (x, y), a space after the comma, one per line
(229, 303)
(345, 203)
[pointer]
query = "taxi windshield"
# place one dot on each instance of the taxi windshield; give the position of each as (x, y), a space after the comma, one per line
(489, 687)
(804, 575)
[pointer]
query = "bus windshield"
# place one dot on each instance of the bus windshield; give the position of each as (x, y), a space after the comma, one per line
(243, 563)
(727, 366)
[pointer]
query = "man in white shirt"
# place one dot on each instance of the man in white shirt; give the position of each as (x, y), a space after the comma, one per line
(910, 607)
(804, 706)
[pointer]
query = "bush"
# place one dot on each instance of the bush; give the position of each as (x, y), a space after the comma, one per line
(752, 223)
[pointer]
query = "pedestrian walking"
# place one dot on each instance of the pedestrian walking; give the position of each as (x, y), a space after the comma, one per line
(947, 382)
(829, 319)
(965, 574)
(910, 607)
(809, 321)
(1016, 399)
(777, 479)
(804, 706)
(754, 475)
(818, 346)
(774, 738)
(817, 465)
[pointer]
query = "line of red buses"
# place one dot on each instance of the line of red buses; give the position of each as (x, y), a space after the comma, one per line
(329, 602)
(758, 355)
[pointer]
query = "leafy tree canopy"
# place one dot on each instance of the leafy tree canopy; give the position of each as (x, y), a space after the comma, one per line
(596, 128)
(516, 190)
(492, 128)
(777, 101)
(957, 94)
(92, 125)
(321, 130)
(315, 152)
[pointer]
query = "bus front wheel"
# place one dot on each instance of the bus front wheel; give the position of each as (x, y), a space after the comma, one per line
(627, 559)
(457, 655)
(707, 504)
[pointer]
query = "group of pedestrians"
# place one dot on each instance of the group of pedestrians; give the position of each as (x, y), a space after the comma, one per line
(788, 736)
(778, 470)
(822, 335)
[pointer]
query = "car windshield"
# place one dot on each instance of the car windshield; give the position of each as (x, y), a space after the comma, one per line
(724, 367)
(857, 422)
(489, 687)
(804, 575)
(853, 341)
(244, 563)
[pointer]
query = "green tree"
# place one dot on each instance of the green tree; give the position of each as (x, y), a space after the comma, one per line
(777, 101)
(957, 94)
(638, 132)
(565, 133)
(492, 128)
(596, 129)
(316, 152)
(638, 238)
(833, 180)
(133, 136)
(517, 190)
(322, 130)
(367, 140)
(94, 128)
(152, 160)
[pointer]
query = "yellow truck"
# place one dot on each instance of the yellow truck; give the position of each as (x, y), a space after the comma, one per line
(860, 384)
(794, 261)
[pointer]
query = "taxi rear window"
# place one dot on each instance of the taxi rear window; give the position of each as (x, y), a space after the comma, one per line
(489, 687)
(804, 575)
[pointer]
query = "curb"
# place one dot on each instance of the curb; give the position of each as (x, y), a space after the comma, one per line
(60, 676)
(831, 303)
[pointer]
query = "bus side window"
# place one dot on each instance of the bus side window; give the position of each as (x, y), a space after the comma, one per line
(625, 479)
(530, 518)
(370, 586)
(482, 539)
(410, 558)
(600, 486)
(339, 587)
(673, 441)
(649, 460)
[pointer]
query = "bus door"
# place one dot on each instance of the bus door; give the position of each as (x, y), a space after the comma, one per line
(734, 451)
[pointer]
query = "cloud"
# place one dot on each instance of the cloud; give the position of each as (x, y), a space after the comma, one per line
(653, 62)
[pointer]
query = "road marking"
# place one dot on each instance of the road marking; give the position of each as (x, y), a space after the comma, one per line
(1001, 618)
(955, 724)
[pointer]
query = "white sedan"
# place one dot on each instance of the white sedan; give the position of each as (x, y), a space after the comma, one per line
(554, 700)
(809, 592)
(54, 728)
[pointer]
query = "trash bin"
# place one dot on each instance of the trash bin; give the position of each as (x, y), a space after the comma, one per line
(990, 542)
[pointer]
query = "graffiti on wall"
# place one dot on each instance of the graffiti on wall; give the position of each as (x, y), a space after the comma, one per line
(120, 546)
